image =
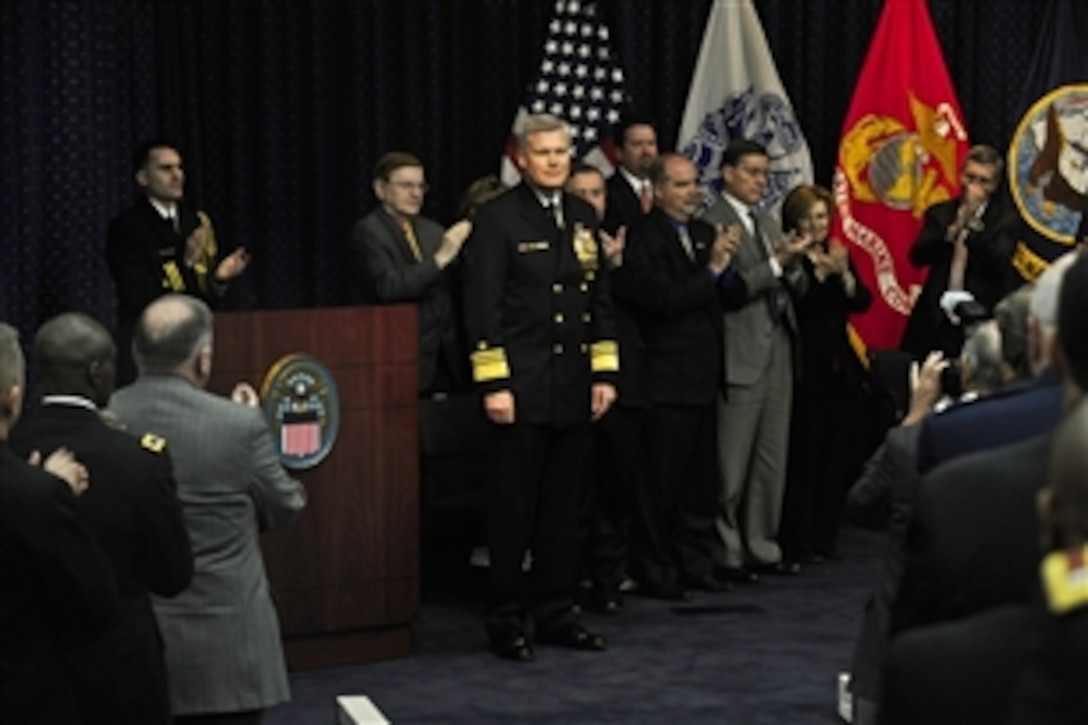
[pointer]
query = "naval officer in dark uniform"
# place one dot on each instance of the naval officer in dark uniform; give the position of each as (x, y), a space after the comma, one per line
(132, 510)
(545, 358)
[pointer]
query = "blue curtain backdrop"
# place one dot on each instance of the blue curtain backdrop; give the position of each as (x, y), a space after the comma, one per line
(281, 107)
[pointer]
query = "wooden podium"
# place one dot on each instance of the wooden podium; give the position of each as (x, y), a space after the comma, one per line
(346, 577)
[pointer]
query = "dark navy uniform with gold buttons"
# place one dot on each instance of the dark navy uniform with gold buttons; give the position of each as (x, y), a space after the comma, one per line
(538, 314)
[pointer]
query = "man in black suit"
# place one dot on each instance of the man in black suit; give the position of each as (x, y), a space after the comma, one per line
(619, 437)
(675, 274)
(163, 244)
(397, 255)
(132, 510)
(967, 245)
(57, 583)
(545, 358)
(630, 191)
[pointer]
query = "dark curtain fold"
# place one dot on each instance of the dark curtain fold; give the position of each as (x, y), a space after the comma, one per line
(281, 107)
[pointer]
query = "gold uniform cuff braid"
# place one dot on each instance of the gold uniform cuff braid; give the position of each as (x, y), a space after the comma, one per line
(604, 357)
(489, 364)
(174, 281)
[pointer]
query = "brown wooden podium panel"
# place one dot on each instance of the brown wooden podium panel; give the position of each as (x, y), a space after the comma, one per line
(346, 576)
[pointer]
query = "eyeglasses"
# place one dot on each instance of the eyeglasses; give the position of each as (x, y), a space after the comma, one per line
(759, 172)
(420, 186)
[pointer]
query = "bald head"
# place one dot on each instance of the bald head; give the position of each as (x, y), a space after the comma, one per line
(172, 334)
(75, 355)
(1066, 513)
(12, 370)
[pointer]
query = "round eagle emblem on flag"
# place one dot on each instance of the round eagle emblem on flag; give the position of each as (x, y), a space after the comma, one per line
(302, 409)
(1048, 163)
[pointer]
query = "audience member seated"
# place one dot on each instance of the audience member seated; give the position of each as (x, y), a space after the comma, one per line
(1023, 412)
(58, 583)
(971, 545)
(222, 636)
(132, 510)
(1022, 663)
(884, 495)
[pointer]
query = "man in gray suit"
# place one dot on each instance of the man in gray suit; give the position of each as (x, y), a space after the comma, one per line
(754, 415)
(397, 255)
(223, 653)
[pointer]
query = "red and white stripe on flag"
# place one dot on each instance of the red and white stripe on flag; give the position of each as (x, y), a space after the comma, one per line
(300, 439)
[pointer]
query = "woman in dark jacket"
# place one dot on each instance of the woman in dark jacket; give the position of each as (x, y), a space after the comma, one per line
(827, 392)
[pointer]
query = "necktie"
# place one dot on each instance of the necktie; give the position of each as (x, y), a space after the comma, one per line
(776, 299)
(556, 212)
(173, 219)
(685, 242)
(413, 243)
(646, 197)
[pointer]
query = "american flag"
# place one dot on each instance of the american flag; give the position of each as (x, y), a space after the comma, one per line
(579, 81)
(300, 435)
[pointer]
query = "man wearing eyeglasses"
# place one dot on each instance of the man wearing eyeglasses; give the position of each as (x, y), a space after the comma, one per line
(966, 244)
(754, 413)
(395, 255)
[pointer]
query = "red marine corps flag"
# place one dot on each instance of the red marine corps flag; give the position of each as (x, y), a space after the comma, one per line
(902, 144)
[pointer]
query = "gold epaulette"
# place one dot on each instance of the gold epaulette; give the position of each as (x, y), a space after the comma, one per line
(489, 363)
(1065, 579)
(153, 443)
(604, 357)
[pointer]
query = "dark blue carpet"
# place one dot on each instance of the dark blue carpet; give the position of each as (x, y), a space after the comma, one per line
(763, 653)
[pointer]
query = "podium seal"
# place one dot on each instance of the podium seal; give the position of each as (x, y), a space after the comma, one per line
(302, 409)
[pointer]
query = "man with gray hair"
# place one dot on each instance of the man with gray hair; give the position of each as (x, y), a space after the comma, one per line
(223, 653)
(56, 580)
(539, 320)
(1021, 413)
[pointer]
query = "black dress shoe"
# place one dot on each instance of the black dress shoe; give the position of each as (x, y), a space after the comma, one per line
(515, 648)
(610, 604)
(672, 591)
(574, 636)
(779, 568)
(707, 583)
(737, 575)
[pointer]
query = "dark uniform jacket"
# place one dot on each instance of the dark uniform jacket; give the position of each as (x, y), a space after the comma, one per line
(146, 257)
(678, 305)
(537, 307)
(132, 509)
(383, 270)
(625, 210)
(988, 275)
(56, 582)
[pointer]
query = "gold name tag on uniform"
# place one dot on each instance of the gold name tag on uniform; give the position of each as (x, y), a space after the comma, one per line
(528, 247)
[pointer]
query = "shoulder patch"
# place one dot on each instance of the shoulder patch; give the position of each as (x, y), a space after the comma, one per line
(153, 443)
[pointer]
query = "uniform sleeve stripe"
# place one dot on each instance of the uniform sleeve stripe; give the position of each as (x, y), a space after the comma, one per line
(490, 364)
(604, 357)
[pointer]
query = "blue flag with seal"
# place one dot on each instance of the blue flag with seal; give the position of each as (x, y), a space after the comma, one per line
(736, 92)
(1048, 151)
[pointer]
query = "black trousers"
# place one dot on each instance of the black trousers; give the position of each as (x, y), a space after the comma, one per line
(535, 474)
(676, 509)
(819, 467)
(620, 462)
